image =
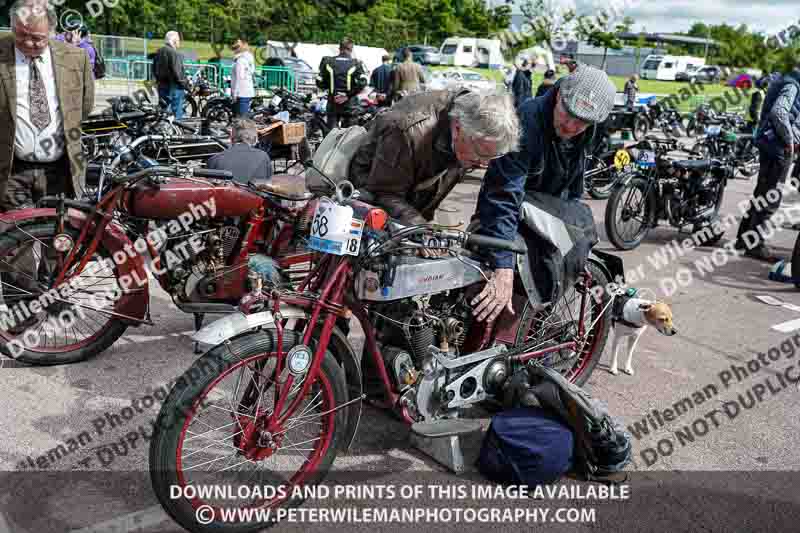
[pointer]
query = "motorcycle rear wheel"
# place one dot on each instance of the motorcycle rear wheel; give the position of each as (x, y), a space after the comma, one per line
(559, 324)
(201, 390)
(29, 332)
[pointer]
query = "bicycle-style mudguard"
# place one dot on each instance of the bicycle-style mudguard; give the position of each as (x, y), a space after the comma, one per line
(234, 324)
(133, 303)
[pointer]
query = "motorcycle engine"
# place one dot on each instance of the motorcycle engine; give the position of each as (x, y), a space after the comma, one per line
(195, 260)
(414, 324)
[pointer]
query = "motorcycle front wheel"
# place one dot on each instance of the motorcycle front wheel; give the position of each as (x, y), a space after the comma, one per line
(559, 324)
(629, 214)
(64, 327)
(210, 432)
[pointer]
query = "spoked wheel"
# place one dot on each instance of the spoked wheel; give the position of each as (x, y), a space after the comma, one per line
(749, 164)
(212, 431)
(629, 214)
(559, 324)
(641, 126)
(219, 115)
(43, 325)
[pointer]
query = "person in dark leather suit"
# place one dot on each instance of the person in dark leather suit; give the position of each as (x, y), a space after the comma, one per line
(342, 77)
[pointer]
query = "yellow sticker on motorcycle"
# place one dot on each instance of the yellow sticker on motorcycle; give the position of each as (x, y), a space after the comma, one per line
(621, 159)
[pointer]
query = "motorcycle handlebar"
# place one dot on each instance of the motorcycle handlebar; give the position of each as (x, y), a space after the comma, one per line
(494, 243)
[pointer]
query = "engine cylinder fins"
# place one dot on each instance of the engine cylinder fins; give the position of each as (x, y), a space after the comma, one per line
(420, 336)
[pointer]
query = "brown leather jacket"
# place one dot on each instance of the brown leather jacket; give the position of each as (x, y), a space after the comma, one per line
(408, 147)
(408, 77)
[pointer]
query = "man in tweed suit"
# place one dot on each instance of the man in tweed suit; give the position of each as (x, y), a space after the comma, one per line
(46, 90)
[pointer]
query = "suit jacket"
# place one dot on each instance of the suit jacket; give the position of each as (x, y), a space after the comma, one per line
(75, 87)
(244, 162)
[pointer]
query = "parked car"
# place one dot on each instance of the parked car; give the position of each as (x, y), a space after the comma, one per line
(468, 79)
(303, 72)
(687, 75)
(425, 55)
(705, 75)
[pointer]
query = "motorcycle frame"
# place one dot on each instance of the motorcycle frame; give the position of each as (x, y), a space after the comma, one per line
(259, 224)
(331, 278)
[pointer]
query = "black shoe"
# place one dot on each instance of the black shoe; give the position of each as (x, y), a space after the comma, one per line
(762, 253)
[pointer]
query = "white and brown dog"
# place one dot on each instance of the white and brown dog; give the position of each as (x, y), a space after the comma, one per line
(630, 320)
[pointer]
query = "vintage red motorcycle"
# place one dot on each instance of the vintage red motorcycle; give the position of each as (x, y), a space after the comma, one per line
(70, 246)
(280, 392)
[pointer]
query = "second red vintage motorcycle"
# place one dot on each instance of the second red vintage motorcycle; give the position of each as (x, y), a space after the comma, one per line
(69, 243)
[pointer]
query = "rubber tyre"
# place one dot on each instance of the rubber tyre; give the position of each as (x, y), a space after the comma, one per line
(749, 173)
(617, 196)
(601, 329)
(189, 106)
(796, 259)
(641, 127)
(187, 391)
(115, 329)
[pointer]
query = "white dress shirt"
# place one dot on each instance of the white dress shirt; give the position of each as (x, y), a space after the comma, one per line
(242, 76)
(30, 144)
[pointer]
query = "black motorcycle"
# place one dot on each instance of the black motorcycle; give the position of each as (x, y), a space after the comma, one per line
(666, 119)
(605, 167)
(720, 142)
(682, 192)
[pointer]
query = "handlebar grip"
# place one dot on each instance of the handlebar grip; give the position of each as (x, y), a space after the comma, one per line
(496, 244)
(209, 173)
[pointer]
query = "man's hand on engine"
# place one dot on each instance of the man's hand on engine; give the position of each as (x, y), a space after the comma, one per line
(496, 296)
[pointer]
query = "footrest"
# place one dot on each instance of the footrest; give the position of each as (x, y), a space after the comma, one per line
(445, 428)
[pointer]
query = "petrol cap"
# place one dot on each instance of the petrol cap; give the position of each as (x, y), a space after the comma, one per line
(588, 94)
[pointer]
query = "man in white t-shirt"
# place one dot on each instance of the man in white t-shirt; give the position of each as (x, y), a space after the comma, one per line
(242, 87)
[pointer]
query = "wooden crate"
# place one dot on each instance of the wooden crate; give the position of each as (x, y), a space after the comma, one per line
(291, 133)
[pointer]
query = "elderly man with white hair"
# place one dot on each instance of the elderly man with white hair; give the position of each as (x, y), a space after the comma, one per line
(170, 75)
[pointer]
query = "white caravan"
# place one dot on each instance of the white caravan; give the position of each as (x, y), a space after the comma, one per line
(665, 68)
(459, 52)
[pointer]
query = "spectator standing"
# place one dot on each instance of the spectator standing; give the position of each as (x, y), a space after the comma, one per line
(48, 91)
(381, 80)
(631, 90)
(408, 77)
(522, 86)
(549, 81)
(342, 77)
(87, 44)
(778, 140)
(170, 75)
(242, 85)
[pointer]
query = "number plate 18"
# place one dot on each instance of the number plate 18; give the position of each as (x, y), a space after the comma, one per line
(334, 230)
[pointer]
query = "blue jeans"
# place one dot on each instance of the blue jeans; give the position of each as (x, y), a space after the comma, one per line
(173, 95)
(241, 107)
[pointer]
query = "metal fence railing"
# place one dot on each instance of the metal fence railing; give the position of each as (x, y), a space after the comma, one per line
(120, 47)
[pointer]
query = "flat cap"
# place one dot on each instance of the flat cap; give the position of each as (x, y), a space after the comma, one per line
(588, 94)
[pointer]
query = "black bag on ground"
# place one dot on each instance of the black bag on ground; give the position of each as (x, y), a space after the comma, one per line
(602, 446)
(526, 446)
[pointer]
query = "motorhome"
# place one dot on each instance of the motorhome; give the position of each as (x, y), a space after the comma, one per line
(665, 68)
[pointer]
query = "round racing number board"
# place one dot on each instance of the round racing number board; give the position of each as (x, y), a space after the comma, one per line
(621, 159)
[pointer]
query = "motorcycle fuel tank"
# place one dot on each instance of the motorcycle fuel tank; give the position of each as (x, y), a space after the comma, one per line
(414, 276)
(170, 199)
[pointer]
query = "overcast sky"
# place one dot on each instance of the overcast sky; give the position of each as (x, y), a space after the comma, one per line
(678, 15)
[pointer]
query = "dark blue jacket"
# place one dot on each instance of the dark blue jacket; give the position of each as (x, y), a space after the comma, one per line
(381, 79)
(521, 87)
(535, 167)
